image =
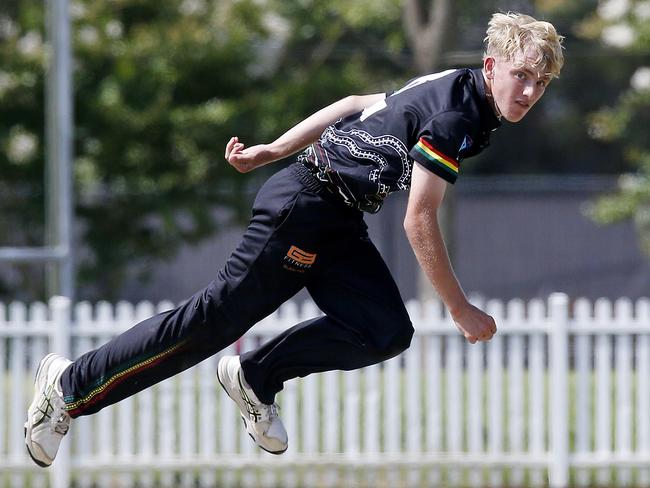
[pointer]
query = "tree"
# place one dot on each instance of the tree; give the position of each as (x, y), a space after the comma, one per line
(625, 26)
(158, 89)
(21, 129)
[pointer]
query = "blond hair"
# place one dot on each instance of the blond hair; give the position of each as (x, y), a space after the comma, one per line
(515, 36)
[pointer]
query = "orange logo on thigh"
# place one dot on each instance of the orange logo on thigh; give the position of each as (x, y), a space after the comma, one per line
(300, 256)
(299, 260)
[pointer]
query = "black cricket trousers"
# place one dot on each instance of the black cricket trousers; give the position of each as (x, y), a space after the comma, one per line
(300, 235)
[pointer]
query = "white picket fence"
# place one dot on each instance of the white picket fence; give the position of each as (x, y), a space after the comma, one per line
(559, 397)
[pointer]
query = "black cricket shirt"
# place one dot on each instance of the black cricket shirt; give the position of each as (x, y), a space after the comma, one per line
(437, 120)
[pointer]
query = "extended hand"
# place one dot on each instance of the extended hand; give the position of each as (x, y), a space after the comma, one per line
(475, 324)
(245, 159)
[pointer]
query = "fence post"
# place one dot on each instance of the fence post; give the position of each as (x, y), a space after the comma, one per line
(60, 340)
(559, 390)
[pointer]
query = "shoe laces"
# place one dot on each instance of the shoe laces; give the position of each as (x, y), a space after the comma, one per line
(52, 407)
(258, 411)
(261, 412)
(267, 412)
(60, 422)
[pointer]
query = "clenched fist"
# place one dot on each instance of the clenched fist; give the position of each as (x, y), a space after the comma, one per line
(474, 324)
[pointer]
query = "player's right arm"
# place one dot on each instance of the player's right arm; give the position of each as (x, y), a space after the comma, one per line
(423, 231)
(307, 132)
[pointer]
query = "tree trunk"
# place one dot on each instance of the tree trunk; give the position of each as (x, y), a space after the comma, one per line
(425, 29)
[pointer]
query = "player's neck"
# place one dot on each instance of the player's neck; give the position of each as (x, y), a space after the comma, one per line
(490, 98)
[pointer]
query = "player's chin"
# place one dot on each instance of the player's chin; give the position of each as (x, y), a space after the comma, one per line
(516, 112)
(514, 118)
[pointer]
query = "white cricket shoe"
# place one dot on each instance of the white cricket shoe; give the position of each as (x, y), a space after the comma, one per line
(47, 420)
(261, 420)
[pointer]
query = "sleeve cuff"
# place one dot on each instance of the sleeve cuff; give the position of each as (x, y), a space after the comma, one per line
(435, 161)
(446, 175)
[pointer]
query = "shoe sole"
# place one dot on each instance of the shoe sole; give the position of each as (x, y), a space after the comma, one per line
(39, 463)
(45, 361)
(277, 453)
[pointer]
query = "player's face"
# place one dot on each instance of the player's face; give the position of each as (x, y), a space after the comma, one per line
(516, 85)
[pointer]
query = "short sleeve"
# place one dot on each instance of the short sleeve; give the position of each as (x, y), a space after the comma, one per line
(439, 143)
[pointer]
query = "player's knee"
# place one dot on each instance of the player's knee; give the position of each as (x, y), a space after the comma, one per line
(400, 341)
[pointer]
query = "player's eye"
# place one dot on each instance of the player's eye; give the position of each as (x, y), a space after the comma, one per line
(520, 75)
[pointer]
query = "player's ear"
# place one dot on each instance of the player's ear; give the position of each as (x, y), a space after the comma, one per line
(488, 67)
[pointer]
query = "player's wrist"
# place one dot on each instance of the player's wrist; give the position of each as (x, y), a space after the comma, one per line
(457, 307)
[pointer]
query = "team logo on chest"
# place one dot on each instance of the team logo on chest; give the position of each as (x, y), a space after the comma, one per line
(298, 260)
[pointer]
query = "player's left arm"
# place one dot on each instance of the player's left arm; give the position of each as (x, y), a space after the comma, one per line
(423, 231)
(300, 136)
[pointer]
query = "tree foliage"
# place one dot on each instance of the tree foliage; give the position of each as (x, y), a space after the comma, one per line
(158, 90)
(625, 26)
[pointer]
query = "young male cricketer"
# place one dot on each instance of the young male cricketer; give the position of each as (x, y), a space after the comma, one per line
(307, 230)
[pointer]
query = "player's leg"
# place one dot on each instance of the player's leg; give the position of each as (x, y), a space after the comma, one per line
(252, 284)
(365, 322)
(319, 228)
